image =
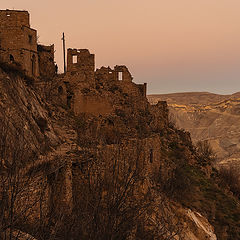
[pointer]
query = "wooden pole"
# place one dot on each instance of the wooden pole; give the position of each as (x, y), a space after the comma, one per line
(64, 53)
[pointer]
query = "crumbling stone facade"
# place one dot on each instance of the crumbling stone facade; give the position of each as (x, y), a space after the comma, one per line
(119, 73)
(18, 45)
(18, 42)
(81, 62)
(122, 74)
(47, 68)
(80, 86)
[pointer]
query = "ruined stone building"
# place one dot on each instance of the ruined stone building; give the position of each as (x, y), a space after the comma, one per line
(18, 45)
(78, 88)
(80, 149)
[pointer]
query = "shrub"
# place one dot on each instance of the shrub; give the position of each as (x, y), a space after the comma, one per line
(230, 176)
(179, 184)
(205, 153)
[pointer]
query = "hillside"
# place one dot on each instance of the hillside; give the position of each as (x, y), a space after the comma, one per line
(209, 117)
(168, 167)
(83, 155)
(191, 98)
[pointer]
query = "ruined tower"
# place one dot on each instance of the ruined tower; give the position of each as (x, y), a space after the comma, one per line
(83, 62)
(18, 41)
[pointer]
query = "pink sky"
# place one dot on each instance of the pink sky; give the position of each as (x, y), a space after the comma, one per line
(173, 45)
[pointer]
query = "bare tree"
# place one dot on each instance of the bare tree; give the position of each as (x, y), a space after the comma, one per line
(113, 203)
(20, 199)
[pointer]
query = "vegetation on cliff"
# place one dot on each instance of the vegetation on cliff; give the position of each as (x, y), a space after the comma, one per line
(123, 175)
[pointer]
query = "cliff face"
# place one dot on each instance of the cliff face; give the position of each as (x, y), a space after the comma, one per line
(23, 112)
(125, 173)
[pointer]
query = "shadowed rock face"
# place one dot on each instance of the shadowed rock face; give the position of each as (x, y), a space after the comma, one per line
(210, 117)
(23, 112)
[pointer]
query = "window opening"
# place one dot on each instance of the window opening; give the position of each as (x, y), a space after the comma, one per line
(11, 58)
(120, 76)
(30, 39)
(75, 59)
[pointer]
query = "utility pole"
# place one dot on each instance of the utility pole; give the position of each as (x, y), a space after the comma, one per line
(64, 53)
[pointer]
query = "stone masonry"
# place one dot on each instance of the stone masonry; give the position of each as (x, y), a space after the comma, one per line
(18, 42)
(78, 86)
(18, 45)
(47, 67)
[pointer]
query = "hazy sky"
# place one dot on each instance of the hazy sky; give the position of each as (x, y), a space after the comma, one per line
(173, 45)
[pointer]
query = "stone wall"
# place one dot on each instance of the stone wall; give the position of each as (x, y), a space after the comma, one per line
(95, 105)
(81, 61)
(18, 42)
(119, 73)
(143, 156)
(85, 90)
(105, 74)
(59, 183)
(122, 73)
(143, 89)
(46, 61)
(14, 18)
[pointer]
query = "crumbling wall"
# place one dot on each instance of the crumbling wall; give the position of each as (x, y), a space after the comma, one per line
(14, 18)
(18, 42)
(90, 91)
(81, 61)
(119, 73)
(47, 67)
(60, 188)
(142, 155)
(105, 74)
(95, 105)
(143, 89)
(122, 73)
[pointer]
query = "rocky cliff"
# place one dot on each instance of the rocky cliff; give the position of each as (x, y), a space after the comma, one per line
(125, 174)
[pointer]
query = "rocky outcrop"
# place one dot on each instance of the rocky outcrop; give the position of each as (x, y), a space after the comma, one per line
(23, 111)
(198, 227)
(124, 160)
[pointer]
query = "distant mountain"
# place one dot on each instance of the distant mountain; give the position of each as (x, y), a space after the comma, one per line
(191, 98)
(208, 116)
